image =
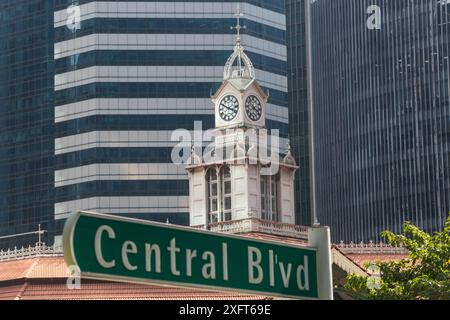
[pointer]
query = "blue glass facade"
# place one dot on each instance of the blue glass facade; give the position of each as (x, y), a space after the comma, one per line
(26, 120)
(130, 74)
(382, 116)
(168, 26)
(87, 111)
(275, 6)
(298, 106)
(150, 90)
(162, 58)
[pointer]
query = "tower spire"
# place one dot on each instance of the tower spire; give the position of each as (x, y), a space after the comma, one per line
(238, 47)
(238, 26)
(244, 67)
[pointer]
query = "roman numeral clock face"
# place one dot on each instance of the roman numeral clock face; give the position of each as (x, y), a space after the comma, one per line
(228, 108)
(253, 108)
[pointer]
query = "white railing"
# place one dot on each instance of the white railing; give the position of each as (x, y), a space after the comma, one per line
(257, 225)
(370, 248)
(31, 252)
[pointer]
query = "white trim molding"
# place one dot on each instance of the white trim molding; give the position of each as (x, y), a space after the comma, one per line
(158, 74)
(190, 10)
(157, 106)
(199, 42)
(114, 139)
(123, 205)
(120, 171)
(127, 139)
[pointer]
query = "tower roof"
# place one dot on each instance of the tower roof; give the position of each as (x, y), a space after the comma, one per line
(239, 68)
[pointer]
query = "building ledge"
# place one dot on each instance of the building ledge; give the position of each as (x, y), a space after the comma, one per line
(253, 225)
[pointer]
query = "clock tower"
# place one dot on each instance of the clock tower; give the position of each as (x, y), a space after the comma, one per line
(240, 178)
(240, 102)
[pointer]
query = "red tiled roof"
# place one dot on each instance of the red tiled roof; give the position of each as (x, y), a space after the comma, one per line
(10, 292)
(45, 278)
(37, 268)
(114, 291)
(364, 259)
(10, 270)
(345, 262)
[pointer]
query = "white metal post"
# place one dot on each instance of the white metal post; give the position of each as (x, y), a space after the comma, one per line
(319, 238)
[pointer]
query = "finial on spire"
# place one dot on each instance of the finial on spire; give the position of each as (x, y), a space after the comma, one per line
(289, 158)
(244, 67)
(194, 159)
(238, 26)
(193, 153)
(288, 146)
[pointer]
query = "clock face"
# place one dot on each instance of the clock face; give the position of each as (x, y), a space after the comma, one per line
(228, 108)
(253, 108)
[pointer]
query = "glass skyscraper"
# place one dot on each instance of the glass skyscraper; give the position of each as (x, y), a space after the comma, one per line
(382, 115)
(124, 76)
(26, 120)
(298, 106)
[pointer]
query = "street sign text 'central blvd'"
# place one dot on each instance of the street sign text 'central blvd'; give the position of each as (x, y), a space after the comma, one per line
(120, 249)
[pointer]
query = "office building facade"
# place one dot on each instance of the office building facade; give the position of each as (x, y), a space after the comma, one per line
(380, 73)
(129, 73)
(26, 121)
(298, 106)
(92, 90)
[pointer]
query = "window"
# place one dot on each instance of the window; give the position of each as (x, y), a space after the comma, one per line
(213, 196)
(219, 195)
(269, 198)
(226, 194)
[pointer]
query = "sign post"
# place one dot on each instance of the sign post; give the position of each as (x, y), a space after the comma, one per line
(121, 249)
(319, 237)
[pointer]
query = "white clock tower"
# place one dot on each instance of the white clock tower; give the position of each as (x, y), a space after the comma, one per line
(237, 182)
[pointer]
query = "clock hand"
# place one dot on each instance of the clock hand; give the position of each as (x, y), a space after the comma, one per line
(228, 108)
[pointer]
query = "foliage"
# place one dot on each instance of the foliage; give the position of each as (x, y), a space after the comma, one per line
(424, 275)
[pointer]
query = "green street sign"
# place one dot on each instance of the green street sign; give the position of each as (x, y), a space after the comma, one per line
(120, 249)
